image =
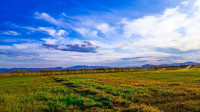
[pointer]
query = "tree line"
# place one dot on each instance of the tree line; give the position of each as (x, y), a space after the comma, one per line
(16, 72)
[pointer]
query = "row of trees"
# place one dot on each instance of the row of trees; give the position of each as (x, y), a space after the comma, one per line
(96, 70)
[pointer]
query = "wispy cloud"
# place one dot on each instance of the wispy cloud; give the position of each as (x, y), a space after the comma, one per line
(46, 17)
(86, 32)
(15, 53)
(48, 30)
(174, 51)
(52, 32)
(9, 33)
(133, 58)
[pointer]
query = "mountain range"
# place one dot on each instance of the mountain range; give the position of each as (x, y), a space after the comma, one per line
(92, 67)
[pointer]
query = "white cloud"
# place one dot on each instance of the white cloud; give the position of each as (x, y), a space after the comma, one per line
(53, 32)
(50, 41)
(63, 23)
(86, 32)
(10, 33)
(105, 28)
(56, 36)
(50, 31)
(46, 17)
(61, 33)
(185, 3)
(174, 28)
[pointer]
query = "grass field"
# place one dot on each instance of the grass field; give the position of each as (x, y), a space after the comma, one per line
(148, 91)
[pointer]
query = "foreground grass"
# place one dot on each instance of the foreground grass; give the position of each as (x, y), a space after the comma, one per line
(155, 91)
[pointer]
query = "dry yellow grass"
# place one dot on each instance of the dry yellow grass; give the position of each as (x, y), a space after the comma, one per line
(148, 91)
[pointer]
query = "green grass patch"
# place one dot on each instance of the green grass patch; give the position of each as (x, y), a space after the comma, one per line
(154, 91)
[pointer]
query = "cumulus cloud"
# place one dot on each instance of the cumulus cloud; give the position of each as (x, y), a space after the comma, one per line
(155, 26)
(9, 33)
(174, 28)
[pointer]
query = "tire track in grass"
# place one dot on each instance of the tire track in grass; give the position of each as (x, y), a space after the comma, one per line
(101, 101)
(108, 99)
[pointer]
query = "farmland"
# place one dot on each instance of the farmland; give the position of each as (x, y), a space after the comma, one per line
(130, 91)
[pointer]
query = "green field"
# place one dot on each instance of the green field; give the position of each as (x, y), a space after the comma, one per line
(147, 91)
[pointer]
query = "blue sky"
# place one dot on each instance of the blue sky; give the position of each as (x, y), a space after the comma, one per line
(51, 33)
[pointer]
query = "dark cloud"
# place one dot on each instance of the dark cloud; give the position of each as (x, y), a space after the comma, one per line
(50, 46)
(86, 47)
(131, 58)
(134, 58)
(174, 51)
(144, 61)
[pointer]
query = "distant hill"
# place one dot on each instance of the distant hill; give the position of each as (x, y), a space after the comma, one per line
(186, 63)
(56, 68)
(92, 67)
(173, 64)
(29, 69)
(147, 65)
(87, 67)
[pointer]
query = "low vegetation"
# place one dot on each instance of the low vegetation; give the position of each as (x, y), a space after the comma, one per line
(127, 91)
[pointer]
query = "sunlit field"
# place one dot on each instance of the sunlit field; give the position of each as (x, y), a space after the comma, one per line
(144, 91)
